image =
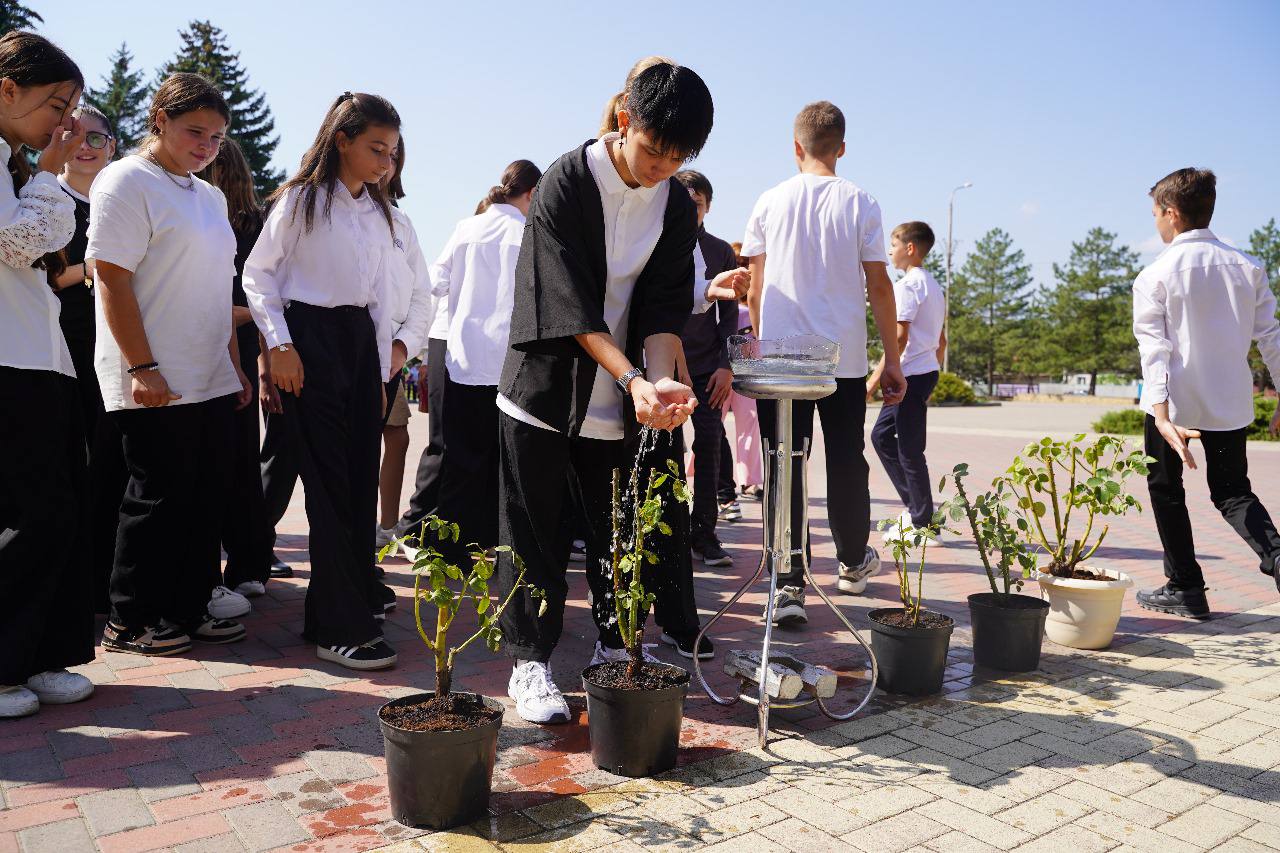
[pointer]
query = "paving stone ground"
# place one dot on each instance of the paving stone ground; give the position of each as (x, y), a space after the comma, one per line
(1168, 741)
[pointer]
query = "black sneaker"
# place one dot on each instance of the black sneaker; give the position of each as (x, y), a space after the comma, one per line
(209, 629)
(1271, 566)
(788, 606)
(384, 601)
(157, 641)
(730, 511)
(279, 568)
(707, 548)
(1189, 603)
(683, 644)
(375, 654)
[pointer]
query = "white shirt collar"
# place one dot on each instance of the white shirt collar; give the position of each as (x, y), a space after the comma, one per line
(1193, 234)
(70, 190)
(503, 209)
(606, 174)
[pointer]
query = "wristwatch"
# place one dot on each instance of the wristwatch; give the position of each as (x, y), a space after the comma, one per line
(281, 348)
(624, 381)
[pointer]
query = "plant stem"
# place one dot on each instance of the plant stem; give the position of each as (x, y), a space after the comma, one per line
(444, 678)
(973, 525)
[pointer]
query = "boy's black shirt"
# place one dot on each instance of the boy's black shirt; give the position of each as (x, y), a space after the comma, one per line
(705, 334)
(560, 291)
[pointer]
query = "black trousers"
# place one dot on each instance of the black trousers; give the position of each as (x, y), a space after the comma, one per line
(469, 473)
(426, 487)
(168, 544)
(248, 533)
(728, 489)
(708, 436)
(278, 467)
(532, 504)
(848, 494)
(671, 581)
(1227, 471)
(899, 440)
(335, 429)
(46, 602)
(108, 478)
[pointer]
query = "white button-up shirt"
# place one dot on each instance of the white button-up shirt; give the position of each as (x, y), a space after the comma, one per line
(1196, 309)
(38, 220)
(409, 297)
(339, 262)
(476, 272)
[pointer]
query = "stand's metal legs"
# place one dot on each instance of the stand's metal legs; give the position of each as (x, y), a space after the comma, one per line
(777, 557)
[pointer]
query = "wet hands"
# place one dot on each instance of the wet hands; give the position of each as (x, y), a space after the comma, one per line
(664, 405)
(729, 285)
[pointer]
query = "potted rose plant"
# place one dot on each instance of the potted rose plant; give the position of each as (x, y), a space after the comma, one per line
(1066, 490)
(635, 707)
(441, 746)
(1008, 628)
(910, 642)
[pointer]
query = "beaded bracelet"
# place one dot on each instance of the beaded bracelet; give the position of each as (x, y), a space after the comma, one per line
(138, 368)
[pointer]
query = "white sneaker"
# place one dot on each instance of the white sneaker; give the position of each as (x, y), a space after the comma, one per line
(17, 701)
(788, 606)
(382, 536)
(226, 604)
(604, 654)
(853, 580)
(537, 698)
(59, 687)
(251, 589)
(902, 522)
(410, 553)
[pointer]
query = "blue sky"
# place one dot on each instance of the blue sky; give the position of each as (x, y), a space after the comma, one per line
(1062, 114)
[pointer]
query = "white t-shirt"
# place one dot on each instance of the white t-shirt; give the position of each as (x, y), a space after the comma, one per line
(817, 232)
(920, 303)
(181, 251)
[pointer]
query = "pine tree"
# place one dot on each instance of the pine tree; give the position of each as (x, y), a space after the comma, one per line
(122, 99)
(205, 51)
(1090, 308)
(989, 301)
(15, 16)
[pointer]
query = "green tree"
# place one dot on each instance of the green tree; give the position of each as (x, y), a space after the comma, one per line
(123, 100)
(1090, 308)
(1264, 244)
(205, 51)
(15, 16)
(989, 301)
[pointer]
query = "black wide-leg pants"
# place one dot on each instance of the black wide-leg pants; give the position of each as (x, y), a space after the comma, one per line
(469, 474)
(168, 553)
(46, 597)
(248, 533)
(848, 492)
(335, 432)
(1227, 472)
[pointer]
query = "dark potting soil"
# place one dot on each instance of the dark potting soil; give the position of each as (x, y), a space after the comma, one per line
(1080, 574)
(451, 713)
(614, 676)
(900, 619)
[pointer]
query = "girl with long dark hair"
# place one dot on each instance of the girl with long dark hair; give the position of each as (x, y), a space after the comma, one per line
(314, 283)
(170, 373)
(246, 534)
(46, 615)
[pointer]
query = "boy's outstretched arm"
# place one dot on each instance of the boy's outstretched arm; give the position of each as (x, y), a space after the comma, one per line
(893, 385)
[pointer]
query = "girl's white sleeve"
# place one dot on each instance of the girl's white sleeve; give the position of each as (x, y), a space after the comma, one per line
(413, 331)
(39, 219)
(264, 270)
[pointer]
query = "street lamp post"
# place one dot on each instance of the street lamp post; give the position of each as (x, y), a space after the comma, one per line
(946, 319)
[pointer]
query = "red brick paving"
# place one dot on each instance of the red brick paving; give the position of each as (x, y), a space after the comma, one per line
(231, 719)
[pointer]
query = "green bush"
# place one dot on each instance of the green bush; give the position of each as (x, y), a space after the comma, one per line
(1123, 422)
(1130, 421)
(1264, 408)
(953, 389)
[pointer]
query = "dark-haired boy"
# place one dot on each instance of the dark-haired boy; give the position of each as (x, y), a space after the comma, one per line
(899, 433)
(816, 249)
(604, 286)
(1196, 309)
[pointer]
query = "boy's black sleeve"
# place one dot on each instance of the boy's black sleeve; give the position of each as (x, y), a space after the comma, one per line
(557, 292)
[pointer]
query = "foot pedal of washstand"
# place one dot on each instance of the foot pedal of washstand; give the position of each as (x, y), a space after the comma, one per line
(785, 678)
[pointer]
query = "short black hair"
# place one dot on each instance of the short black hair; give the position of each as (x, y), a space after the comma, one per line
(695, 181)
(673, 105)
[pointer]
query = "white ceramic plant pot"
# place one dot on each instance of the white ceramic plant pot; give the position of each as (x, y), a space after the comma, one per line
(1084, 614)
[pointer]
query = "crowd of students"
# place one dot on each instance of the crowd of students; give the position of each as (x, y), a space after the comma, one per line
(571, 309)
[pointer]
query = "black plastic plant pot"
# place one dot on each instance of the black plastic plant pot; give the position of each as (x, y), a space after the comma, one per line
(1007, 637)
(911, 661)
(635, 732)
(440, 779)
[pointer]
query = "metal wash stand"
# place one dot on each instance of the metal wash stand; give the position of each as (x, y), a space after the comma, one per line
(799, 368)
